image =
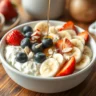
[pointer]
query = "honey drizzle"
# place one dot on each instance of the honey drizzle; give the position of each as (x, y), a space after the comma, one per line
(48, 18)
(48, 15)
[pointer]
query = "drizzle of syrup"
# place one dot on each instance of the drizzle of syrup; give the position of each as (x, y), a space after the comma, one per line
(48, 18)
(48, 15)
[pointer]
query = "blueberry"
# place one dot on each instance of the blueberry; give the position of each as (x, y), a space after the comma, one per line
(39, 57)
(47, 42)
(21, 57)
(36, 47)
(28, 34)
(25, 42)
(27, 29)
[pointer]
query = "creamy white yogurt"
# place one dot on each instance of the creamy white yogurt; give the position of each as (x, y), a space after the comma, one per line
(29, 67)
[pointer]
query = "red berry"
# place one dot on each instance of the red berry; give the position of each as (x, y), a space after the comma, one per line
(14, 38)
(85, 35)
(7, 9)
(68, 68)
(70, 25)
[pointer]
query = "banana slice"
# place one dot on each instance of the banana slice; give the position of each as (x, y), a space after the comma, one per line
(75, 52)
(49, 67)
(55, 37)
(80, 38)
(52, 29)
(42, 26)
(85, 60)
(87, 51)
(78, 43)
(61, 60)
(64, 34)
(72, 32)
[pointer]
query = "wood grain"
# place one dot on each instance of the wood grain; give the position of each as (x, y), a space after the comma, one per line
(10, 88)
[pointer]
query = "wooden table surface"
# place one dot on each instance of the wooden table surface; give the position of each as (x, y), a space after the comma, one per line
(10, 88)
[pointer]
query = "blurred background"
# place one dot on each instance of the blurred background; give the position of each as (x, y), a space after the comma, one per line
(81, 12)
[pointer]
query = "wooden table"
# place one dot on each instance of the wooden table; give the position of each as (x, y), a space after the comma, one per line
(10, 88)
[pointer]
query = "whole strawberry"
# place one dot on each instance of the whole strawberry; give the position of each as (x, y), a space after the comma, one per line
(14, 38)
(7, 9)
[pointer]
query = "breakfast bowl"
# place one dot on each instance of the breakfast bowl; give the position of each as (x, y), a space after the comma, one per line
(48, 84)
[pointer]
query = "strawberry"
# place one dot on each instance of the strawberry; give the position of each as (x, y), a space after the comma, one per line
(85, 35)
(70, 25)
(61, 44)
(14, 38)
(68, 68)
(7, 9)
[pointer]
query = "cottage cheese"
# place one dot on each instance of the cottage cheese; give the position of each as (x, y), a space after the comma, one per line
(29, 67)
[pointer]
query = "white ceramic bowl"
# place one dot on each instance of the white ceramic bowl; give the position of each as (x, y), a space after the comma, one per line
(38, 8)
(47, 85)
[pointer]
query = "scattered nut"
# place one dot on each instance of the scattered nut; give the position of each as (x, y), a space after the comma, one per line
(30, 55)
(65, 50)
(50, 51)
(37, 46)
(27, 50)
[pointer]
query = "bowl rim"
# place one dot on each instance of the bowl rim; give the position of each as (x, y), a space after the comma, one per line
(38, 77)
(91, 29)
(2, 21)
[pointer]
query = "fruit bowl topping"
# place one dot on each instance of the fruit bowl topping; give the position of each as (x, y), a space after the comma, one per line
(59, 53)
(14, 38)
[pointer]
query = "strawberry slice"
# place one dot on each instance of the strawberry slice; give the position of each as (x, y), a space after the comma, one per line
(14, 38)
(68, 68)
(61, 44)
(70, 25)
(85, 35)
